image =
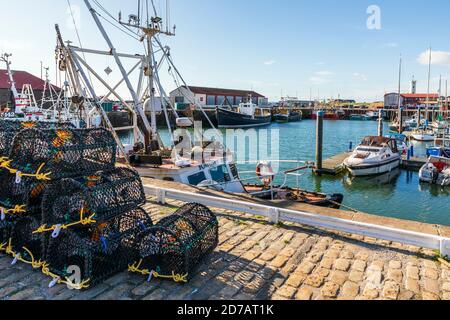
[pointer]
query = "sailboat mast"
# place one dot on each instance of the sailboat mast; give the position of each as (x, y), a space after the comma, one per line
(428, 90)
(399, 101)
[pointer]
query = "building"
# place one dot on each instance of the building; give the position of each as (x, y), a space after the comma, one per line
(213, 97)
(410, 100)
(21, 78)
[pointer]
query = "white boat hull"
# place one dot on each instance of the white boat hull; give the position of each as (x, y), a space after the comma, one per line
(373, 169)
(423, 137)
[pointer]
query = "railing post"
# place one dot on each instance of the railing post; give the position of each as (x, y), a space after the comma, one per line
(274, 215)
(161, 196)
(445, 247)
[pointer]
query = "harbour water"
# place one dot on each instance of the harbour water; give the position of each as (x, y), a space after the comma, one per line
(397, 194)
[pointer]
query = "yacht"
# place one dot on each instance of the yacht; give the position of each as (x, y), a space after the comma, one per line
(375, 155)
(247, 115)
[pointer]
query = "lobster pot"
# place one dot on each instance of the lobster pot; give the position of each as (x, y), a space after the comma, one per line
(99, 252)
(9, 129)
(23, 240)
(105, 194)
(178, 243)
(5, 231)
(27, 193)
(63, 153)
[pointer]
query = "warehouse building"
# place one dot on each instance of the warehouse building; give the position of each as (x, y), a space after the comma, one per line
(210, 98)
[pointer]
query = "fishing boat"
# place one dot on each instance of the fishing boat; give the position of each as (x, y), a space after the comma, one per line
(375, 155)
(436, 171)
(268, 190)
(197, 162)
(247, 115)
(26, 108)
(359, 117)
(288, 116)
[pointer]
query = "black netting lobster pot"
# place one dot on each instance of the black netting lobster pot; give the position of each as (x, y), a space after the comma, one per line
(5, 231)
(101, 196)
(178, 243)
(99, 252)
(9, 129)
(62, 153)
(20, 198)
(23, 239)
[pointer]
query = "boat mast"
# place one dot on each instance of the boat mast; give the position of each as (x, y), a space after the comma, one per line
(428, 90)
(137, 103)
(400, 114)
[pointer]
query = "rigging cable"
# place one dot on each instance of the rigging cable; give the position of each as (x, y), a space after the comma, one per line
(78, 36)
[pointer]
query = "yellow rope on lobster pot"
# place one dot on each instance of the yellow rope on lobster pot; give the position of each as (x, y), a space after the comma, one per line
(135, 268)
(5, 163)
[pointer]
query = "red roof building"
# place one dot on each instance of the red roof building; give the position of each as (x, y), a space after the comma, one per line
(21, 78)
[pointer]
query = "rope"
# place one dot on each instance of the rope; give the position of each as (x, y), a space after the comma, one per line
(39, 264)
(178, 278)
(17, 210)
(83, 221)
(5, 163)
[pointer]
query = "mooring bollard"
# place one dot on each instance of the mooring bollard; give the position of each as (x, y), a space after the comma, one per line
(350, 146)
(319, 141)
(412, 151)
(408, 156)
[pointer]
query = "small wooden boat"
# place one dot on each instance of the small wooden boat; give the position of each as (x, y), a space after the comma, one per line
(296, 195)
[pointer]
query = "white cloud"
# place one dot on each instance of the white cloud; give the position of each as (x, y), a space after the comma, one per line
(270, 62)
(360, 76)
(441, 58)
(321, 77)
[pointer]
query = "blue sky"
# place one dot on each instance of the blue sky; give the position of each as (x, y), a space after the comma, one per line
(290, 47)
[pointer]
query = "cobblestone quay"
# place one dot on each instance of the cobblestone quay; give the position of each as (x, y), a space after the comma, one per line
(258, 261)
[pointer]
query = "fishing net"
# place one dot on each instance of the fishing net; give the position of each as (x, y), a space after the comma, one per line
(178, 243)
(98, 252)
(61, 153)
(101, 196)
(9, 129)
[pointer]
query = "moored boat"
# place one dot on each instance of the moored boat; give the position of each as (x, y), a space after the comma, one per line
(246, 116)
(436, 171)
(423, 135)
(375, 155)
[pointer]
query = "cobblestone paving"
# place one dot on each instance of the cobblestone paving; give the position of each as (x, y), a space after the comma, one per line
(259, 261)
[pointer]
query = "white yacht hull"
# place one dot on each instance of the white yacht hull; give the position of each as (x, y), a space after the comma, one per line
(373, 169)
(423, 137)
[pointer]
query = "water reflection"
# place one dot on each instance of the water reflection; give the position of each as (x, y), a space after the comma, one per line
(384, 184)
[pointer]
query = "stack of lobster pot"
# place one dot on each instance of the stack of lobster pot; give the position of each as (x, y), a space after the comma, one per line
(36, 159)
(92, 223)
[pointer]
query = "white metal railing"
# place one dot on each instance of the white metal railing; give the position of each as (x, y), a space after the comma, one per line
(275, 214)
